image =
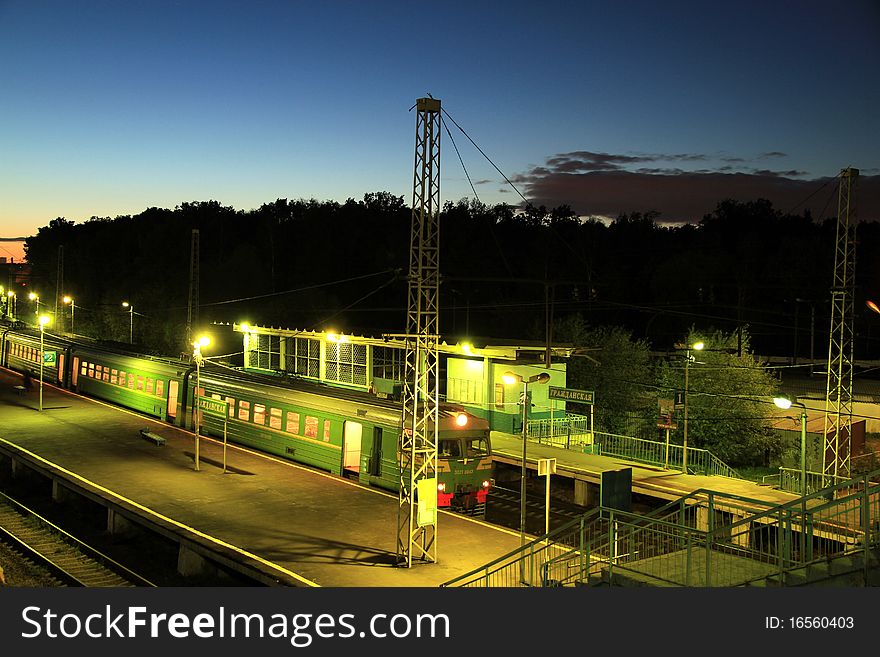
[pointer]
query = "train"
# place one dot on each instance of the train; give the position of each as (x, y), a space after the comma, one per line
(349, 433)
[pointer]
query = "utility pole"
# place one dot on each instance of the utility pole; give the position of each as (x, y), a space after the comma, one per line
(59, 287)
(417, 512)
(838, 395)
(192, 312)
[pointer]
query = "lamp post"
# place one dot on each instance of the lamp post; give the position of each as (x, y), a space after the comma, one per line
(203, 341)
(10, 304)
(786, 403)
(33, 296)
(510, 378)
(43, 320)
(697, 346)
(69, 299)
(126, 304)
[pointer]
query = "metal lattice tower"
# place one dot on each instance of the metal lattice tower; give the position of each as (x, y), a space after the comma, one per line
(838, 394)
(192, 312)
(417, 533)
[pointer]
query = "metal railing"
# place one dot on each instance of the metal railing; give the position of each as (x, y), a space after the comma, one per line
(703, 539)
(789, 480)
(568, 431)
(576, 432)
(653, 452)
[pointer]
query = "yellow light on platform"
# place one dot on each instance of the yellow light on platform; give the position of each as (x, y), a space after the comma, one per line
(43, 320)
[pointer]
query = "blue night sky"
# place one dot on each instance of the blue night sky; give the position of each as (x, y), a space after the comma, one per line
(108, 108)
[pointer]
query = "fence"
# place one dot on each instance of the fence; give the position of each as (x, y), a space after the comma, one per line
(703, 539)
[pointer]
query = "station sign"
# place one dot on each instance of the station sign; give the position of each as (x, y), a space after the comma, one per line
(213, 406)
(572, 394)
(49, 357)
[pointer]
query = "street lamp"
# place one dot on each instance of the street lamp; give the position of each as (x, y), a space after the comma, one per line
(69, 299)
(510, 378)
(786, 403)
(33, 296)
(43, 320)
(126, 304)
(203, 341)
(10, 304)
(697, 346)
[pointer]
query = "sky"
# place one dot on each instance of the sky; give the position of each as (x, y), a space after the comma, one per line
(108, 107)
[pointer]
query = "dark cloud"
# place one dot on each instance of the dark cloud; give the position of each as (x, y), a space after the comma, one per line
(764, 156)
(682, 196)
(483, 182)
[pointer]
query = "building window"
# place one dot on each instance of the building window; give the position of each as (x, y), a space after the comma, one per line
(304, 357)
(389, 363)
(265, 352)
(464, 390)
(346, 363)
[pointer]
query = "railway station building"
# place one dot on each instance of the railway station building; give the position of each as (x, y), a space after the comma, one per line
(470, 374)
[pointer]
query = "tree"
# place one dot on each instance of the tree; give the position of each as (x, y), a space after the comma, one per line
(617, 368)
(729, 398)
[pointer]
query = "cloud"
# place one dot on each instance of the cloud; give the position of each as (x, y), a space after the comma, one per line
(686, 196)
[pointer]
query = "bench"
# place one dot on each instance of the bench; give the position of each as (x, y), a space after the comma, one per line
(19, 389)
(155, 438)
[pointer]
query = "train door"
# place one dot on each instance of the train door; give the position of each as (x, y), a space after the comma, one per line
(61, 382)
(172, 399)
(351, 446)
(74, 373)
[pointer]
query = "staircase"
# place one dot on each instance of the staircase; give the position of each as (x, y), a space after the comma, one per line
(708, 539)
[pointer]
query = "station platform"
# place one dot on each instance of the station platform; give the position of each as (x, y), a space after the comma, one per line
(647, 480)
(316, 529)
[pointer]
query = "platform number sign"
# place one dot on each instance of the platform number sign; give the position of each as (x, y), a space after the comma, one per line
(49, 357)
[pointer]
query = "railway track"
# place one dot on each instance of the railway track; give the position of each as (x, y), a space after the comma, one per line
(69, 561)
(503, 508)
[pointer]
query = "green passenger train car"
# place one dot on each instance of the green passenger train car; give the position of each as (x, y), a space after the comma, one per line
(347, 433)
(149, 385)
(23, 352)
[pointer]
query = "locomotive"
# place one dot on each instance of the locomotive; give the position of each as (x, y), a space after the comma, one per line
(349, 433)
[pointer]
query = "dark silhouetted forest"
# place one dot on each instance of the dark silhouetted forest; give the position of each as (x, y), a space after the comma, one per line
(506, 274)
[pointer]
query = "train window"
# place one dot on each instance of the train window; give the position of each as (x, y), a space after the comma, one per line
(275, 418)
(84, 368)
(231, 402)
(449, 449)
(140, 384)
(121, 380)
(114, 376)
(476, 447)
(92, 370)
(160, 385)
(106, 375)
(259, 414)
(99, 369)
(311, 427)
(326, 431)
(130, 381)
(244, 410)
(149, 389)
(292, 423)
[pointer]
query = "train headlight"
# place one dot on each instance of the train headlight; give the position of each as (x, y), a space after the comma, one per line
(485, 483)
(441, 487)
(461, 419)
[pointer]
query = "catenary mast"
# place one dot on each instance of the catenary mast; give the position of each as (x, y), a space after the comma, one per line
(417, 513)
(838, 396)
